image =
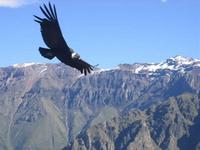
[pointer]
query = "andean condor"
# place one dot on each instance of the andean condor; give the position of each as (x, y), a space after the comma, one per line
(57, 46)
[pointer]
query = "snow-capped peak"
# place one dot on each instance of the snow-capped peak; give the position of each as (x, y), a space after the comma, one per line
(181, 60)
(177, 63)
(25, 65)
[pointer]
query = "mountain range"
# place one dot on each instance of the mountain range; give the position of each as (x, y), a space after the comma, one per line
(140, 106)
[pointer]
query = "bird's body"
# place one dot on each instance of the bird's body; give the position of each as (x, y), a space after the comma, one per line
(57, 47)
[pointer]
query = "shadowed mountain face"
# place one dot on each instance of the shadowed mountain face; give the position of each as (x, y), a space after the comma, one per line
(139, 106)
(172, 125)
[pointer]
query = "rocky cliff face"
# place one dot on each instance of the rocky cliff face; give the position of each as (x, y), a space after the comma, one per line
(139, 106)
(32, 112)
(167, 125)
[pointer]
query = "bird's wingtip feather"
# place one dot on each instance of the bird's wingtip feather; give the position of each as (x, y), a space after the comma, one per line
(38, 19)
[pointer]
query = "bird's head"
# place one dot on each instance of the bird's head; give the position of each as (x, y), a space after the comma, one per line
(75, 55)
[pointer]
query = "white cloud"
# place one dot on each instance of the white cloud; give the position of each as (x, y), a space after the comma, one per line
(15, 3)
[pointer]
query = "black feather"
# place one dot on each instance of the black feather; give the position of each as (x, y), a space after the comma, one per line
(48, 12)
(51, 10)
(54, 7)
(48, 17)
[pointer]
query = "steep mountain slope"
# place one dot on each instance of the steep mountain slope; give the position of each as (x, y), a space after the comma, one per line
(124, 88)
(45, 106)
(161, 126)
(32, 112)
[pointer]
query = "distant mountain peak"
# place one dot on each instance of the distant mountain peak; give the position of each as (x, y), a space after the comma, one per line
(182, 60)
(177, 63)
(23, 65)
(98, 111)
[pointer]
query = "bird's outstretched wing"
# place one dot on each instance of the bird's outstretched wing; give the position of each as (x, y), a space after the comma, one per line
(81, 65)
(50, 28)
(53, 38)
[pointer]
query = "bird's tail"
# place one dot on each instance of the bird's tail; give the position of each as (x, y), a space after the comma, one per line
(47, 53)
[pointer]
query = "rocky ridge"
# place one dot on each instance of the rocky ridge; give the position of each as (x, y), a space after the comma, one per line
(139, 106)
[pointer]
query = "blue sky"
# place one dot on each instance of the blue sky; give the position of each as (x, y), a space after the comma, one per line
(106, 32)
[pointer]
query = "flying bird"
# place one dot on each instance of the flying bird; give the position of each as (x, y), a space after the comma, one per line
(57, 46)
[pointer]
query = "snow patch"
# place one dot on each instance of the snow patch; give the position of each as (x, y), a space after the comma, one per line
(42, 71)
(100, 71)
(97, 71)
(25, 65)
(197, 65)
(177, 63)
